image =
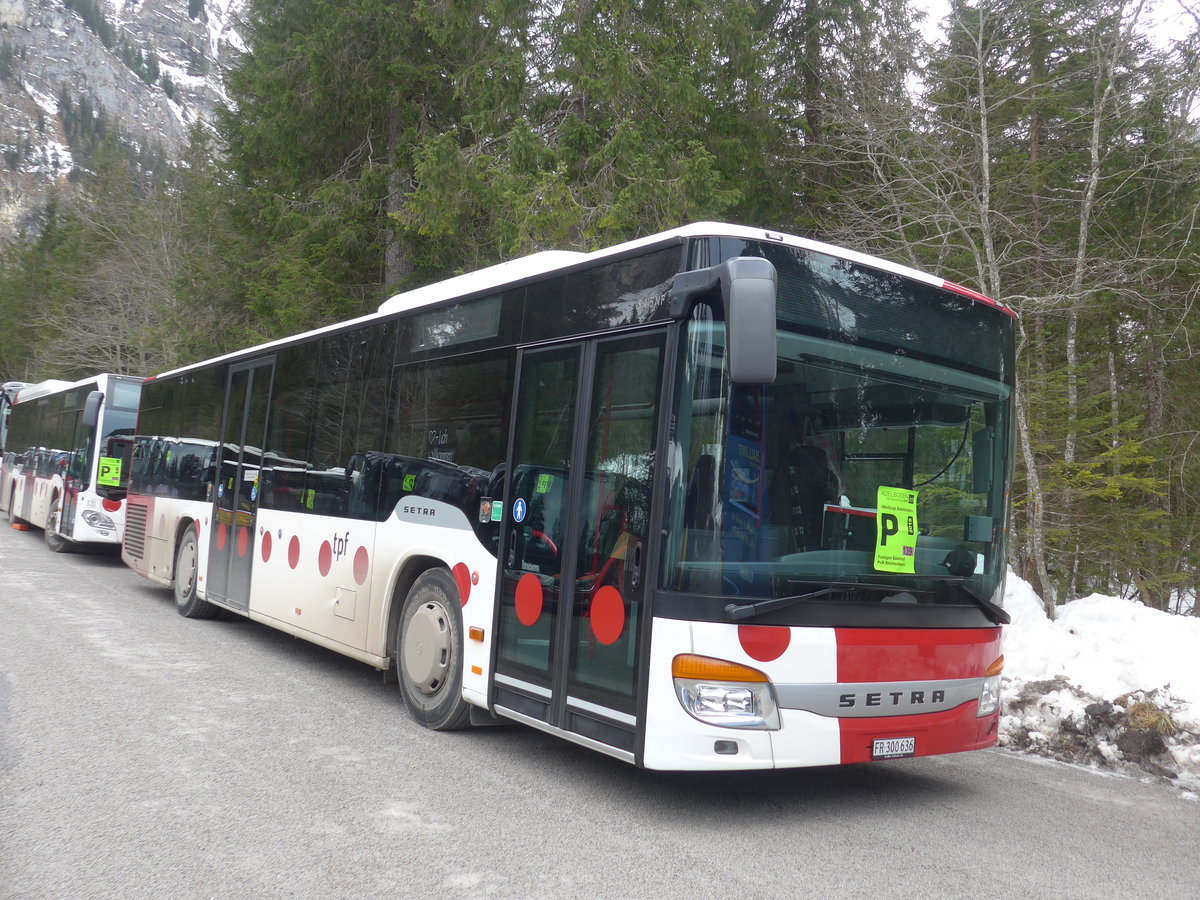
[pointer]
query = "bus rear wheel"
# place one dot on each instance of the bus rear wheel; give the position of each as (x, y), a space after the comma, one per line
(55, 541)
(429, 652)
(187, 601)
(10, 511)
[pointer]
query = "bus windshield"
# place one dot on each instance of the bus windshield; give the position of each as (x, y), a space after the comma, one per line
(116, 450)
(859, 475)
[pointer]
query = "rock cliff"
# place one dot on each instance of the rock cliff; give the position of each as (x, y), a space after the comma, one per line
(74, 71)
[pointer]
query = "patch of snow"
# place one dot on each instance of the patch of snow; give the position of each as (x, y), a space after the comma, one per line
(1070, 683)
(46, 103)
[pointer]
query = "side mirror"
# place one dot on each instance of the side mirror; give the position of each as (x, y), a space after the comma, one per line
(91, 409)
(747, 286)
(750, 321)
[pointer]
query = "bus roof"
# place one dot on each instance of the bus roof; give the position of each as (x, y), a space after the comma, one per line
(55, 386)
(550, 261)
(41, 389)
(547, 262)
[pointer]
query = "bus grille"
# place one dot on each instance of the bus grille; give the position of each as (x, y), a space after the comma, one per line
(135, 530)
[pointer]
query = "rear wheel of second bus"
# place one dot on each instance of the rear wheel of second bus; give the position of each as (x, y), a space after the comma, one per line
(186, 600)
(13, 518)
(429, 648)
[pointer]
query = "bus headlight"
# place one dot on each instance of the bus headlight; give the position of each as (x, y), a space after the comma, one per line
(989, 693)
(97, 519)
(719, 692)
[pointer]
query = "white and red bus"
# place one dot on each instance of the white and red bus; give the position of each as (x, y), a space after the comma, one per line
(718, 498)
(66, 458)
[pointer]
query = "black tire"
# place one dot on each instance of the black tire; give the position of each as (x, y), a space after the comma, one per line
(429, 653)
(13, 518)
(188, 603)
(55, 541)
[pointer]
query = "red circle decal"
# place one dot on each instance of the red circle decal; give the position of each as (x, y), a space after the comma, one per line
(607, 614)
(325, 558)
(764, 642)
(222, 535)
(243, 540)
(294, 551)
(462, 578)
(110, 505)
(528, 599)
(362, 565)
(266, 546)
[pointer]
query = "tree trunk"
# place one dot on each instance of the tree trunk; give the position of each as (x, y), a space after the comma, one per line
(397, 261)
(1035, 541)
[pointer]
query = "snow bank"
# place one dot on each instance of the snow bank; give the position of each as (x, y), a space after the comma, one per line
(1074, 686)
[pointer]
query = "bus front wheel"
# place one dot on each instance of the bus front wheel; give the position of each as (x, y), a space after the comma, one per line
(55, 541)
(429, 651)
(187, 601)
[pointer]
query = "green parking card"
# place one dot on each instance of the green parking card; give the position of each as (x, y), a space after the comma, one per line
(109, 473)
(896, 530)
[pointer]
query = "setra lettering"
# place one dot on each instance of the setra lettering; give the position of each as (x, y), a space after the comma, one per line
(892, 698)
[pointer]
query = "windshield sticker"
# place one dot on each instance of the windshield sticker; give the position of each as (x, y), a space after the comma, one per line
(896, 531)
(110, 471)
(544, 483)
(518, 509)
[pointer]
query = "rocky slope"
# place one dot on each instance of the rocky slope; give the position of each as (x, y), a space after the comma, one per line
(74, 70)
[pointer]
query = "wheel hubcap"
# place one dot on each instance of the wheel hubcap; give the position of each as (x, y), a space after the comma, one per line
(186, 575)
(427, 646)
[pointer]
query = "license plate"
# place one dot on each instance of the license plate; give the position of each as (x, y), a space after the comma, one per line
(894, 748)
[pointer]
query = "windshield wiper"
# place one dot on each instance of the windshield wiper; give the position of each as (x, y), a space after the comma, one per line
(997, 614)
(739, 611)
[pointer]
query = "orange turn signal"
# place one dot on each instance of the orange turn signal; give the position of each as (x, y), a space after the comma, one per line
(475, 633)
(706, 668)
(995, 668)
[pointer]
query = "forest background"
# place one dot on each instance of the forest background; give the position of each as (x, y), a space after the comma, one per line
(1044, 152)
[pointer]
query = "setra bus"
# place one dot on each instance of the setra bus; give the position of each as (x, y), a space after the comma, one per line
(718, 498)
(66, 458)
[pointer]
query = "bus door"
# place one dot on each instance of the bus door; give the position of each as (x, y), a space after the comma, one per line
(573, 566)
(79, 470)
(238, 460)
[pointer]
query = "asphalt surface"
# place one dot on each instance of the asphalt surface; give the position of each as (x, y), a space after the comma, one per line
(145, 755)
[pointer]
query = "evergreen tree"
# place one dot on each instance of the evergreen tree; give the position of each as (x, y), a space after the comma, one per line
(326, 111)
(631, 117)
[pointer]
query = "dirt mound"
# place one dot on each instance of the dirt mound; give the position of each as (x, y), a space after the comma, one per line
(1136, 734)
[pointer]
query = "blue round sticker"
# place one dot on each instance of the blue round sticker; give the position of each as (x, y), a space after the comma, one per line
(519, 510)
